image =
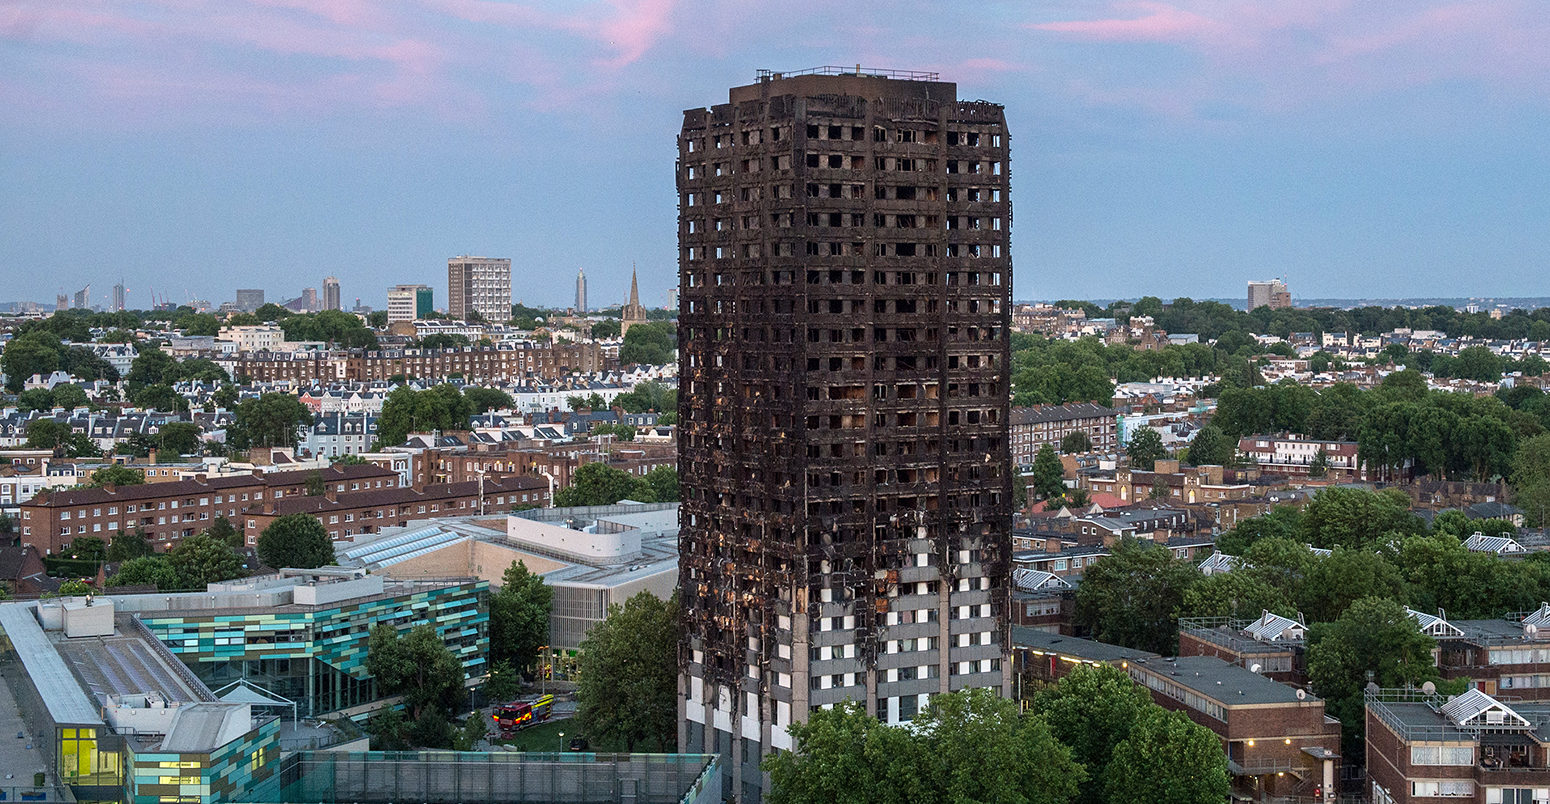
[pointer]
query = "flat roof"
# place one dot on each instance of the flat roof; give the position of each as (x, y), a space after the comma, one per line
(1227, 684)
(126, 665)
(67, 703)
(1076, 647)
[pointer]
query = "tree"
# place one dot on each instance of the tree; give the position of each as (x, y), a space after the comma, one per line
(201, 559)
(663, 482)
(70, 397)
(1354, 517)
(1048, 474)
(1167, 759)
(179, 438)
(1075, 442)
(629, 675)
(116, 475)
(519, 617)
(1282, 522)
(1320, 465)
(846, 756)
(482, 400)
(600, 484)
(74, 588)
(57, 436)
(504, 682)
(408, 411)
(649, 344)
(389, 730)
(35, 399)
(1531, 479)
(1374, 636)
(222, 529)
(416, 665)
(442, 340)
(147, 570)
(1131, 597)
(647, 397)
(35, 352)
(85, 548)
(269, 420)
(127, 545)
(151, 367)
(1145, 449)
(159, 396)
(1212, 447)
(468, 735)
(1237, 595)
(296, 540)
(980, 748)
(1345, 576)
(966, 746)
(1093, 710)
(225, 397)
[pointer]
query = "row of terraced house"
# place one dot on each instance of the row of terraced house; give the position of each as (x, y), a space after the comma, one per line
(348, 499)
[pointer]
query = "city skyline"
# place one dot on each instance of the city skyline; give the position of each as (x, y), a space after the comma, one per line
(1183, 147)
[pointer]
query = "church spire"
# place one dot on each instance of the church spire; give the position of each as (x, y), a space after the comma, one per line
(634, 288)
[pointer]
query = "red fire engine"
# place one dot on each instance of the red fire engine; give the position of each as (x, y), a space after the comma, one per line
(518, 715)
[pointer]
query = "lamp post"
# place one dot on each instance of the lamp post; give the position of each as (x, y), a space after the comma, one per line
(561, 747)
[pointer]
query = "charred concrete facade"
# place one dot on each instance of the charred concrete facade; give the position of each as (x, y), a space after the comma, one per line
(845, 287)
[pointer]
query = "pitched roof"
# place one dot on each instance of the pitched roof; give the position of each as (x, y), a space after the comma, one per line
(1220, 562)
(1275, 628)
(1434, 625)
(1030, 580)
(1476, 709)
(1500, 545)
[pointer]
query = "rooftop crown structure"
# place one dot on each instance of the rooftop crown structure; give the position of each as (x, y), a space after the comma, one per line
(844, 312)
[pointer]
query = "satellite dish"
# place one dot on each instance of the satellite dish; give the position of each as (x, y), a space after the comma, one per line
(1429, 688)
(1254, 668)
(1302, 695)
(1530, 630)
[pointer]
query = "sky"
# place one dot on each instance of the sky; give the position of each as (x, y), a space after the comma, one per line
(1356, 148)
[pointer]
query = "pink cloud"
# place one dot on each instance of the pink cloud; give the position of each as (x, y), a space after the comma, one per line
(1160, 22)
(1290, 55)
(635, 28)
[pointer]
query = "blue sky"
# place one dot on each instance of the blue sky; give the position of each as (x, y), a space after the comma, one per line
(1354, 147)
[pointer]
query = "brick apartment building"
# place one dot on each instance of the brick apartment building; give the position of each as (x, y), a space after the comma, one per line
(1185, 484)
(1295, 455)
(1280, 744)
(1470, 747)
(350, 514)
(1272, 645)
(1035, 426)
(504, 362)
(559, 460)
(172, 510)
(1505, 656)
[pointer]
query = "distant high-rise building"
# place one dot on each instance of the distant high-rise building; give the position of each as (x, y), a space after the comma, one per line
(633, 312)
(479, 285)
(843, 406)
(61, 301)
(118, 297)
(581, 292)
(1272, 294)
(409, 303)
(250, 299)
(82, 298)
(331, 293)
(309, 300)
